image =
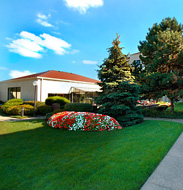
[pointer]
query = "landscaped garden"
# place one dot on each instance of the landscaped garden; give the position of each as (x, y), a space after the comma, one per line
(36, 156)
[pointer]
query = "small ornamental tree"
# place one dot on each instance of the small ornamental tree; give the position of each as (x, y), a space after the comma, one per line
(162, 56)
(119, 95)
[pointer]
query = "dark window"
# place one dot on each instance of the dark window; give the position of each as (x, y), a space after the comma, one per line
(138, 62)
(14, 92)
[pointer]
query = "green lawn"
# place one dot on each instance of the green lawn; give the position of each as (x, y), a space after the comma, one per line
(35, 156)
(178, 106)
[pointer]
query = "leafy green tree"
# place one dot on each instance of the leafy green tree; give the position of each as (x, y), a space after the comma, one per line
(119, 95)
(162, 56)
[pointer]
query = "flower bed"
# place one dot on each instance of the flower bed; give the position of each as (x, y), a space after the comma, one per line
(83, 121)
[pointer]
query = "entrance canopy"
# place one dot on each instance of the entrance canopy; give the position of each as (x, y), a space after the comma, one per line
(82, 90)
(84, 94)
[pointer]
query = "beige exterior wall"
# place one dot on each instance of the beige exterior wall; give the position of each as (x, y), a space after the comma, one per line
(44, 87)
(27, 89)
(134, 57)
(62, 87)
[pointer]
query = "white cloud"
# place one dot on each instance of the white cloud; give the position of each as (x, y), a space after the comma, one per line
(83, 5)
(44, 23)
(43, 20)
(74, 51)
(30, 45)
(89, 62)
(55, 44)
(63, 22)
(3, 68)
(42, 16)
(16, 74)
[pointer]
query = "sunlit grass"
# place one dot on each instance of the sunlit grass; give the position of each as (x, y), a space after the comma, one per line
(35, 156)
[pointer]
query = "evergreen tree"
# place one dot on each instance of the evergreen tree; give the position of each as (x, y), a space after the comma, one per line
(162, 56)
(119, 95)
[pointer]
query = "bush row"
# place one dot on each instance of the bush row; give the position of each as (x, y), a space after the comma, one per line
(162, 114)
(14, 106)
(16, 110)
(57, 99)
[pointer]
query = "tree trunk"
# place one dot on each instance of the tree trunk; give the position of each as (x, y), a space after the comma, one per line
(172, 105)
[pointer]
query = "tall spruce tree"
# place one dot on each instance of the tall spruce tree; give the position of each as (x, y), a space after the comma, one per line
(162, 56)
(119, 95)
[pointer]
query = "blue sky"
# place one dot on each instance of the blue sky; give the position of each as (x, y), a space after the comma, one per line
(73, 35)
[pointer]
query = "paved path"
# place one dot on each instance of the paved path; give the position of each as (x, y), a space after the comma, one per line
(169, 173)
(5, 118)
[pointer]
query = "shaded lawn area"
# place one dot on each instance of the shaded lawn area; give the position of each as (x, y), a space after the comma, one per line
(35, 156)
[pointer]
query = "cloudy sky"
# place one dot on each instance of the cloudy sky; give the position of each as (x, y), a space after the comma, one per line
(73, 35)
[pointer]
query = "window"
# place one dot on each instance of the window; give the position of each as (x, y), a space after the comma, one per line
(138, 62)
(14, 92)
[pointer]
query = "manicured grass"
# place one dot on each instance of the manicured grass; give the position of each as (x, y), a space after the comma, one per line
(35, 156)
(178, 106)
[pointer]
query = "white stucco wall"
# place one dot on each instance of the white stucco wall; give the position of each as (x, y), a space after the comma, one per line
(45, 86)
(63, 87)
(27, 89)
(133, 57)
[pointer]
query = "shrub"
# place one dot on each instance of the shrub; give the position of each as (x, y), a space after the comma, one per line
(1, 102)
(15, 101)
(83, 121)
(58, 110)
(31, 102)
(162, 114)
(57, 99)
(80, 107)
(44, 109)
(16, 110)
(12, 102)
(48, 115)
(161, 107)
(4, 107)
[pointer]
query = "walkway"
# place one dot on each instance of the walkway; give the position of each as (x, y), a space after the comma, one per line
(5, 118)
(169, 173)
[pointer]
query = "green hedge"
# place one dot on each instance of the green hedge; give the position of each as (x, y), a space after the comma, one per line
(58, 110)
(57, 99)
(162, 114)
(48, 115)
(31, 102)
(12, 102)
(80, 107)
(44, 109)
(15, 101)
(17, 110)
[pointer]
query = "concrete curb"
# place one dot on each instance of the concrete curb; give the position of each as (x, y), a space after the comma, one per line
(169, 173)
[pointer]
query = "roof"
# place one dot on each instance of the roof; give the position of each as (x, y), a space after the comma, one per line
(59, 75)
(135, 53)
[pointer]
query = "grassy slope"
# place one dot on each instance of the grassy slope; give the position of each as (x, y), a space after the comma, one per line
(34, 156)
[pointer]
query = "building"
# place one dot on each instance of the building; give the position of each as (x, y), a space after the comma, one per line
(75, 87)
(136, 57)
